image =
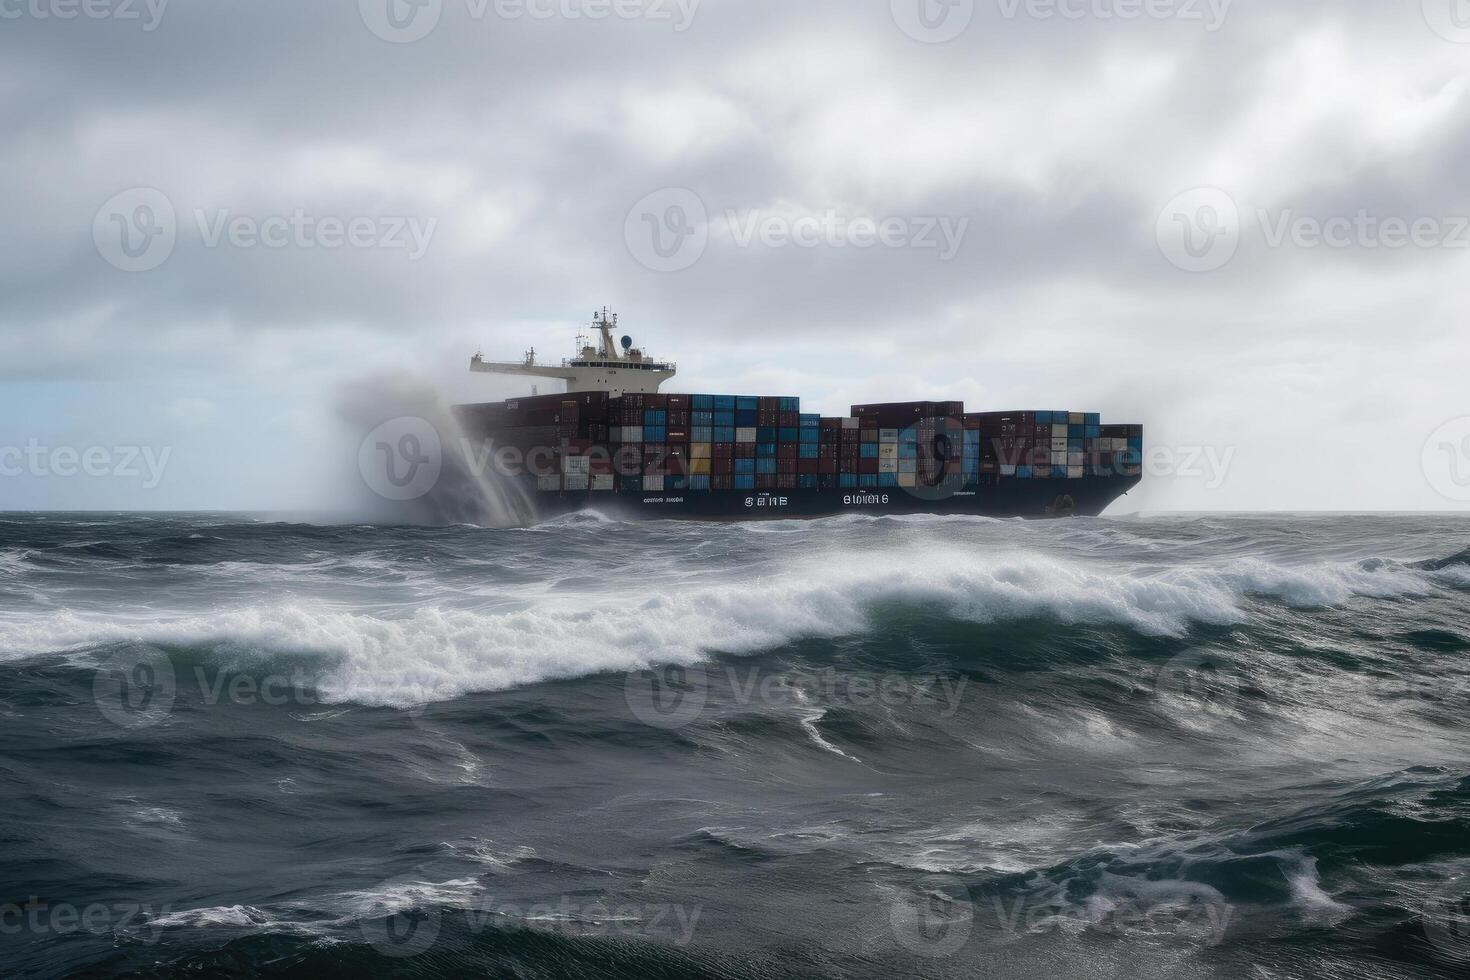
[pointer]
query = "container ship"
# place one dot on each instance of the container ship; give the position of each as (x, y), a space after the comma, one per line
(615, 443)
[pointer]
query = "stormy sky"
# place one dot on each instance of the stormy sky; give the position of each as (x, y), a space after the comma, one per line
(1242, 224)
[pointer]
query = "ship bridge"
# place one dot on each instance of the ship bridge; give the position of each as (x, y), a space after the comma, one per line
(605, 366)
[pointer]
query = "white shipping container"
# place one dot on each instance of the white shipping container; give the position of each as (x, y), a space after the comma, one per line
(1059, 458)
(1059, 430)
(575, 481)
(1007, 469)
(888, 435)
(632, 433)
(888, 450)
(851, 424)
(1074, 472)
(1059, 445)
(1076, 418)
(653, 483)
(907, 479)
(745, 434)
(1076, 459)
(888, 465)
(603, 482)
(576, 465)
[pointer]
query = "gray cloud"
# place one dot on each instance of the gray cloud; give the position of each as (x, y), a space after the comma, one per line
(527, 141)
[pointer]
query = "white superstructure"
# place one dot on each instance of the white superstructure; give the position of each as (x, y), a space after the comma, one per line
(609, 366)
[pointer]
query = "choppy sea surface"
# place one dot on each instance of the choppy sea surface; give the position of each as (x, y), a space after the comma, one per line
(1185, 746)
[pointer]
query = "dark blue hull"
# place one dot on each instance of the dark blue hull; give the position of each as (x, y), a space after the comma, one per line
(1004, 497)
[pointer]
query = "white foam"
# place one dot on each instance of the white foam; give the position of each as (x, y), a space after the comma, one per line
(428, 652)
(1307, 894)
(220, 916)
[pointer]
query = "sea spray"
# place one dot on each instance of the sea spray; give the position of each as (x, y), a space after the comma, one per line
(416, 465)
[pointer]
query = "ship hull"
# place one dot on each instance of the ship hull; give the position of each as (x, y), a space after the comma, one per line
(1004, 498)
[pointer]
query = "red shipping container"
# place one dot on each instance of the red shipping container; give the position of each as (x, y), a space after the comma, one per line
(808, 466)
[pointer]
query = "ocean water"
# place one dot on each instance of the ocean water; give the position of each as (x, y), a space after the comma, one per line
(1186, 746)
